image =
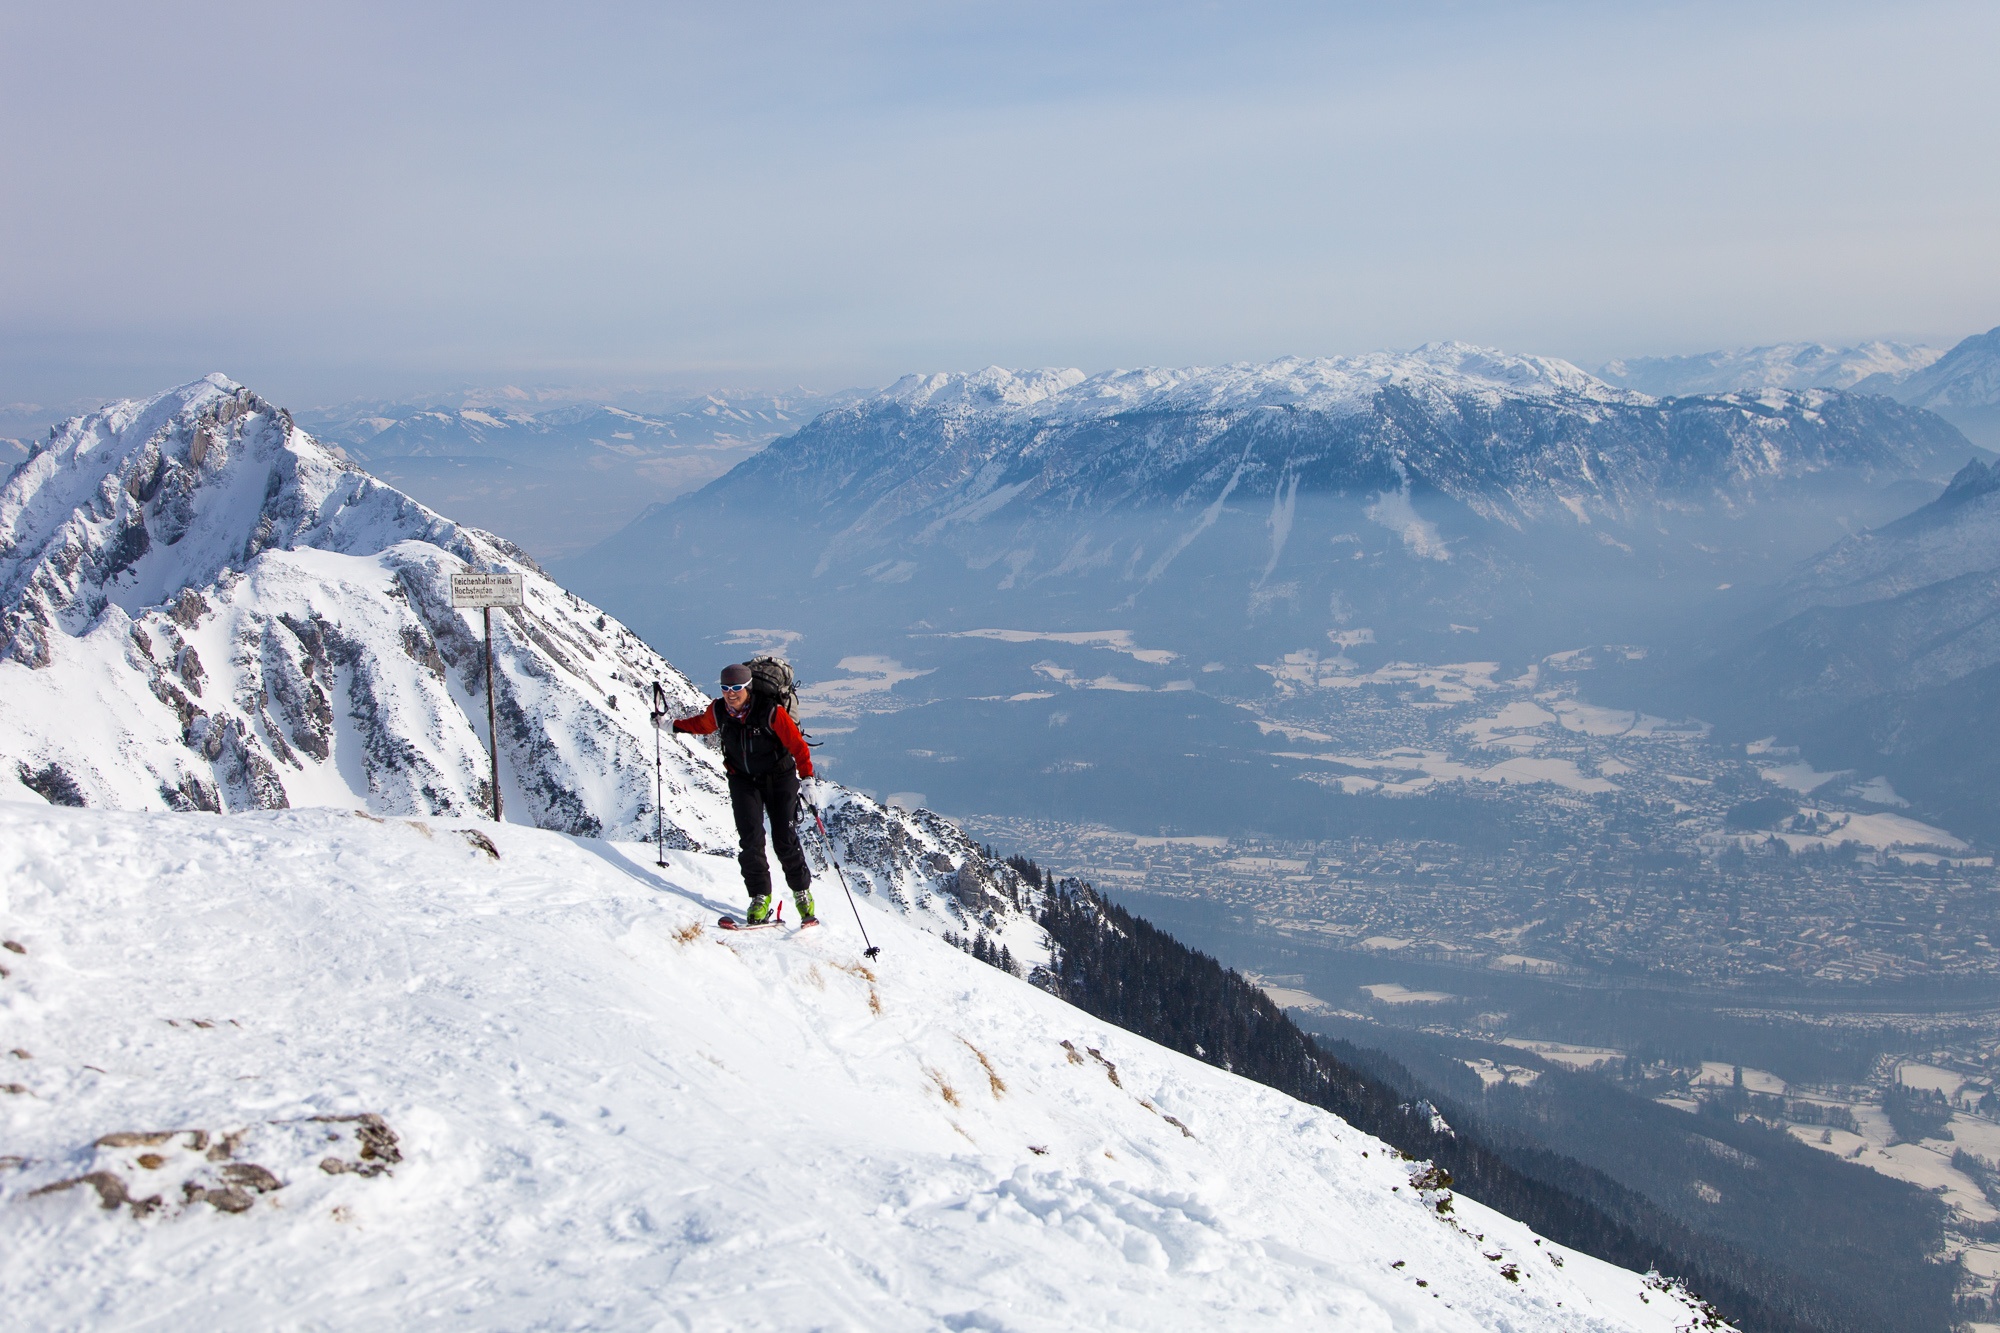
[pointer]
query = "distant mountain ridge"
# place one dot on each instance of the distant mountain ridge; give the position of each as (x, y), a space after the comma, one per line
(1883, 652)
(556, 473)
(524, 425)
(1866, 367)
(1298, 494)
(1966, 376)
(1512, 437)
(1961, 384)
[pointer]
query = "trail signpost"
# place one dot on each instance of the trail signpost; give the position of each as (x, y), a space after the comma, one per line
(487, 591)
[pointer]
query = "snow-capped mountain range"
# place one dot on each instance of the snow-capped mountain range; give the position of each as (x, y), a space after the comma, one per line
(1341, 385)
(1782, 366)
(1294, 498)
(1961, 384)
(1511, 437)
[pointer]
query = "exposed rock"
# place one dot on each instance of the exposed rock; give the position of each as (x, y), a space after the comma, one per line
(137, 1138)
(189, 608)
(251, 1177)
(228, 1199)
(379, 1149)
(53, 783)
(110, 1188)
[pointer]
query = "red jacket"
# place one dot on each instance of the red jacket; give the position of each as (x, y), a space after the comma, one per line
(782, 726)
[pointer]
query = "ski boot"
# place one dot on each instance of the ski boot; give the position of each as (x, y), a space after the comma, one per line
(804, 900)
(760, 910)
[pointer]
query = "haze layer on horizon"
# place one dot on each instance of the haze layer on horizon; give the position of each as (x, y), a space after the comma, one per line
(366, 198)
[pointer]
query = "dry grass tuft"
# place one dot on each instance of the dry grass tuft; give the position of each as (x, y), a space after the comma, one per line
(688, 934)
(874, 1002)
(945, 1090)
(993, 1080)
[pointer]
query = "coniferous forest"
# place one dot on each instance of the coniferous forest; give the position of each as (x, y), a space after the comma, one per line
(1124, 970)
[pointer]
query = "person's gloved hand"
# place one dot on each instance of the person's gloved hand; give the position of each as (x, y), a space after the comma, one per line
(659, 720)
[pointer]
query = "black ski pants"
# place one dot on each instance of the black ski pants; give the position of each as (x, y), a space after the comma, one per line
(778, 793)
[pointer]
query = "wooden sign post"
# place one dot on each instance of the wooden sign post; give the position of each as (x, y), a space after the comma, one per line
(487, 591)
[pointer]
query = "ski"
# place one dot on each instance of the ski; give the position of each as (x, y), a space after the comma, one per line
(731, 923)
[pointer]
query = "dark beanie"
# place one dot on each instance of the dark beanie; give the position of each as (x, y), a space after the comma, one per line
(735, 674)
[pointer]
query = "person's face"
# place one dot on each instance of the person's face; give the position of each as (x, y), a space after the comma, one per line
(733, 695)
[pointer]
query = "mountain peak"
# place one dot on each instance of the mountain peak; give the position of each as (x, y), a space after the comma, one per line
(203, 608)
(133, 503)
(1974, 479)
(1968, 376)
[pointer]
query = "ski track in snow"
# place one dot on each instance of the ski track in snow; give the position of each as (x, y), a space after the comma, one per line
(612, 1117)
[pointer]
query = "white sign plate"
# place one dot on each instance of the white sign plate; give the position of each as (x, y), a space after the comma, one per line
(487, 589)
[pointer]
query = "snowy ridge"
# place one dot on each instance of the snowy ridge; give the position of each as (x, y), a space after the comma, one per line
(1513, 439)
(1783, 366)
(503, 1078)
(1968, 376)
(1322, 384)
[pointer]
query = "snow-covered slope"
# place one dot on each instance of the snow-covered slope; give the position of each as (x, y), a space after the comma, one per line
(309, 1070)
(203, 608)
(1783, 366)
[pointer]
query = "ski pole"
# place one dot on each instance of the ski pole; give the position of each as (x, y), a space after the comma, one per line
(873, 949)
(659, 775)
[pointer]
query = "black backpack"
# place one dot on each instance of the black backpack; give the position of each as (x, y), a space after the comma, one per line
(771, 677)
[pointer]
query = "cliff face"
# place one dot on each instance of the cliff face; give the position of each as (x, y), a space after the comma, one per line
(201, 607)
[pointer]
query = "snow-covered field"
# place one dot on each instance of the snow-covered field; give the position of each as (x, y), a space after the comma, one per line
(597, 1111)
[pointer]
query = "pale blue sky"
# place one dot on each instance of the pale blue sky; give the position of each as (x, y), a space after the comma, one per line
(344, 198)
